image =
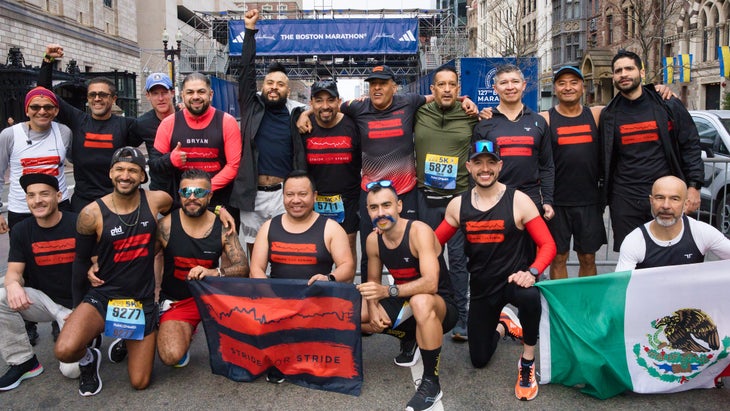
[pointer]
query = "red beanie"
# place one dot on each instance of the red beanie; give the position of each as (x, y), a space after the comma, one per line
(40, 92)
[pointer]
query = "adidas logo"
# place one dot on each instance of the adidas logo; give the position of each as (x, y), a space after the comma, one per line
(238, 39)
(407, 37)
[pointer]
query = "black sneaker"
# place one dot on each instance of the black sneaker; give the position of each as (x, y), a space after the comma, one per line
(409, 354)
(117, 351)
(275, 377)
(20, 372)
(428, 393)
(55, 330)
(89, 381)
(32, 330)
(95, 343)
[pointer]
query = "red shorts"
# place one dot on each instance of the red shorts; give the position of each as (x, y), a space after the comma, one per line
(184, 310)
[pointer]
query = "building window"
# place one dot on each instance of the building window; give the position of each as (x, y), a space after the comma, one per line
(717, 43)
(267, 7)
(609, 29)
(705, 44)
(108, 3)
(283, 7)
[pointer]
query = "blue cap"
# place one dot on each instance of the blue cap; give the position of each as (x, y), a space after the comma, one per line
(567, 69)
(158, 79)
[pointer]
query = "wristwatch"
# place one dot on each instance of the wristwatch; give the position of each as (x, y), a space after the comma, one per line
(332, 277)
(393, 290)
(694, 184)
(534, 271)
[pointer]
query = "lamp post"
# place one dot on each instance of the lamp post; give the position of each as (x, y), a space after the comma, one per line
(170, 54)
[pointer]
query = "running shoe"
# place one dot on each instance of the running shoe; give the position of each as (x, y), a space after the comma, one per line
(32, 329)
(409, 354)
(511, 323)
(459, 334)
(17, 373)
(275, 377)
(90, 381)
(117, 351)
(428, 393)
(526, 387)
(183, 361)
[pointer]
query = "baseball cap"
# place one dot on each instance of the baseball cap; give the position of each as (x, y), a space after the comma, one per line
(480, 147)
(325, 85)
(158, 79)
(38, 178)
(130, 155)
(381, 72)
(567, 69)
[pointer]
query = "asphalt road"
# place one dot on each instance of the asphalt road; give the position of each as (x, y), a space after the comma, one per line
(386, 386)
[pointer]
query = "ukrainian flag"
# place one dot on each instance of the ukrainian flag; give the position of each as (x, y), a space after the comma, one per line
(724, 53)
(685, 63)
(669, 70)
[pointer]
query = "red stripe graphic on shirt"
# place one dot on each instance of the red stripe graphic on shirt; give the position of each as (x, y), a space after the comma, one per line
(130, 248)
(201, 152)
(39, 161)
(396, 132)
(564, 141)
(515, 152)
(403, 275)
(293, 259)
(515, 141)
(130, 255)
(484, 238)
(579, 129)
(54, 259)
(93, 140)
(639, 138)
(328, 143)
(281, 247)
(54, 252)
(329, 158)
(638, 127)
(133, 241)
(580, 134)
(392, 123)
(184, 264)
(385, 128)
(488, 225)
(51, 171)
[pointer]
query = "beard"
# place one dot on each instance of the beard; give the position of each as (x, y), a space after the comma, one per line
(195, 213)
(275, 104)
(635, 83)
(664, 221)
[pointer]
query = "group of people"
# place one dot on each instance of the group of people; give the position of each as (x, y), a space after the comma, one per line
(505, 194)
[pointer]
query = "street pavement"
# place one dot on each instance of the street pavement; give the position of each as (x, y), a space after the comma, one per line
(386, 386)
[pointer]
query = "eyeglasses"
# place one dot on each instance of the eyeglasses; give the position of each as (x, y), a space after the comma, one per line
(93, 95)
(484, 146)
(198, 192)
(381, 183)
(37, 107)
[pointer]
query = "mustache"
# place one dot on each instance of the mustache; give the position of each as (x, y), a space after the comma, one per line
(384, 217)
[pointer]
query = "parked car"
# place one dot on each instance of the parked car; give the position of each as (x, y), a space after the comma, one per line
(713, 127)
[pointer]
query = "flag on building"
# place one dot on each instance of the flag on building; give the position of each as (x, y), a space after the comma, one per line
(724, 53)
(684, 61)
(668, 70)
(656, 330)
(311, 334)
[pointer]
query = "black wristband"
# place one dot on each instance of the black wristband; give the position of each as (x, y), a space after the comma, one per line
(694, 184)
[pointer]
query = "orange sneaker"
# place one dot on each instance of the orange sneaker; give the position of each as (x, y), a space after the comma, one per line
(511, 323)
(526, 387)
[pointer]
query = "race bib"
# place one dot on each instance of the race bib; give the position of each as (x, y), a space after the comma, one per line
(440, 171)
(125, 319)
(331, 207)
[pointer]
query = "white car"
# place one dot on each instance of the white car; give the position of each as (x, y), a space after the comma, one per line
(713, 127)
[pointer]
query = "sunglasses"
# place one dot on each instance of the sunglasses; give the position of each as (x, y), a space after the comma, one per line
(198, 192)
(484, 146)
(37, 107)
(381, 184)
(93, 95)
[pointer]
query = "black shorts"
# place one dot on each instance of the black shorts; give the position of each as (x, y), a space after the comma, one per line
(352, 215)
(100, 301)
(626, 215)
(583, 223)
(407, 329)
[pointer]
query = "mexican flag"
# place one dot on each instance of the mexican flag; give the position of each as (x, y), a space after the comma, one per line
(655, 330)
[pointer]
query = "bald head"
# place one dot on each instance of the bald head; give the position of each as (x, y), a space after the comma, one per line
(670, 183)
(668, 200)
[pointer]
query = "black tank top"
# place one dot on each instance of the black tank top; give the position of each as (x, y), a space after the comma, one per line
(576, 154)
(404, 267)
(298, 255)
(126, 253)
(496, 248)
(186, 252)
(685, 251)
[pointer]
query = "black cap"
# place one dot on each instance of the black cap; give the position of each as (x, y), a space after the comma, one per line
(38, 178)
(567, 69)
(381, 72)
(130, 155)
(325, 85)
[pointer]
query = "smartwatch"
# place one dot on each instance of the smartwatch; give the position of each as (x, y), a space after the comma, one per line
(534, 271)
(332, 277)
(694, 184)
(393, 290)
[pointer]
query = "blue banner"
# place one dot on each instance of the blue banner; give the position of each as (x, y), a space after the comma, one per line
(339, 36)
(477, 79)
(225, 96)
(311, 334)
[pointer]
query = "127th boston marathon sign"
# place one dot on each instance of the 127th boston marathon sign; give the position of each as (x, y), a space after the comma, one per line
(340, 36)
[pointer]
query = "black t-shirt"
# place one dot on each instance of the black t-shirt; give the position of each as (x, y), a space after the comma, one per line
(146, 128)
(334, 158)
(273, 142)
(48, 254)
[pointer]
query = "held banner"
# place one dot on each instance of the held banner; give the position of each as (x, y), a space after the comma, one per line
(338, 36)
(309, 333)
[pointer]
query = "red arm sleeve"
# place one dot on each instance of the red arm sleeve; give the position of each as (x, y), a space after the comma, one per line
(232, 147)
(444, 232)
(546, 245)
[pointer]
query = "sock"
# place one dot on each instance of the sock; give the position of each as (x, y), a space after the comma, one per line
(88, 358)
(431, 359)
(526, 363)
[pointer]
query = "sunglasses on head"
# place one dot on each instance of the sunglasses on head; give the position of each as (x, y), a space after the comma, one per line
(484, 146)
(198, 192)
(381, 183)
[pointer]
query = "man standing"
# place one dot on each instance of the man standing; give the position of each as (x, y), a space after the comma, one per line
(523, 140)
(333, 156)
(577, 155)
(500, 223)
(442, 134)
(42, 249)
(411, 252)
(199, 242)
(671, 238)
(644, 138)
(272, 147)
(120, 229)
(200, 137)
(160, 92)
(96, 135)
